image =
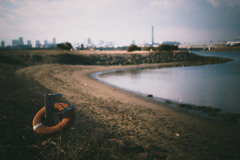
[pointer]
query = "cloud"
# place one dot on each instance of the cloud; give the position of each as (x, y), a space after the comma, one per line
(107, 19)
(52, 8)
(189, 34)
(233, 3)
(44, 13)
(224, 3)
(65, 18)
(214, 3)
(162, 3)
(166, 4)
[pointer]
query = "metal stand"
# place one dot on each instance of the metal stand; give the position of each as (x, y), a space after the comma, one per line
(49, 100)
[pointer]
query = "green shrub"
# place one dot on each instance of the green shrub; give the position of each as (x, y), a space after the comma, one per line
(167, 47)
(237, 44)
(64, 46)
(133, 47)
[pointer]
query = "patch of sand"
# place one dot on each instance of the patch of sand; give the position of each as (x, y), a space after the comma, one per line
(180, 135)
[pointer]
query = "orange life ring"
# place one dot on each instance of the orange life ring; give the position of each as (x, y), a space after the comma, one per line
(67, 121)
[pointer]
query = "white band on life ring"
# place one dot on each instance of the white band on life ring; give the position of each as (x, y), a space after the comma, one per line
(37, 125)
(66, 109)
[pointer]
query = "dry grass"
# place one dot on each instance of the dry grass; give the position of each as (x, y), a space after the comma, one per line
(84, 142)
(21, 99)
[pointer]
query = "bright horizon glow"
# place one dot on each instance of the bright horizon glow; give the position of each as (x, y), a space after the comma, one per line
(119, 21)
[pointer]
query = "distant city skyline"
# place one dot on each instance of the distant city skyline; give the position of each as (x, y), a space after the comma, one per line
(119, 21)
(46, 44)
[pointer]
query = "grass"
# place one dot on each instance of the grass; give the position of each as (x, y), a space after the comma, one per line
(21, 99)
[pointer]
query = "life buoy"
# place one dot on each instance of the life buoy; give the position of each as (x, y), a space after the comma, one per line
(68, 118)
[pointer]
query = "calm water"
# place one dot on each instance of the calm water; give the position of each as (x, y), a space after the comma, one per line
(210, 85)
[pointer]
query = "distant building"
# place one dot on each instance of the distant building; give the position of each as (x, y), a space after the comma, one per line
(2, 44)
(109, 44)
(20, 42)
(234, 41)
(171, 43)
(89, 42)
(45, 45)
(101, 43)
(37, 44)
(14, 42)
(29, 42)
(54, 41)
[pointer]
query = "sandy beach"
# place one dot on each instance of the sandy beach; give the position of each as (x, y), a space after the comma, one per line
(110, 123)
(169, 133)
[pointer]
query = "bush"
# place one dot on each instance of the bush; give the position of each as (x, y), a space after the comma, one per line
(64, 46)
(133, 47)
(150, 48)
(237, 44)
(167, 47)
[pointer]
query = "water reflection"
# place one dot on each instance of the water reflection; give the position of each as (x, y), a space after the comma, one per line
(211, 85)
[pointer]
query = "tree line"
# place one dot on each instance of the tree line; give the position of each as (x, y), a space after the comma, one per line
(162, 47)
(133, 47)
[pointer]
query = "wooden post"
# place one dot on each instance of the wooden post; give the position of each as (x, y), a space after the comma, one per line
(49, 100)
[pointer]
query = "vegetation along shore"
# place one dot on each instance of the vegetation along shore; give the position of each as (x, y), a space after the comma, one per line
(110, 123)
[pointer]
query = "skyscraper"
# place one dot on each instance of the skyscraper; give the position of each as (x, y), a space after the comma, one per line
(20, 42)
(29, 42)
(45, 45)
(89, 41)
(38, 44)
(2, 44)
(54, 41)
(14, 42)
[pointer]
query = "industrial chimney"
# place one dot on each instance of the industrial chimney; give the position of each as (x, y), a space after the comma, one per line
(152, 36)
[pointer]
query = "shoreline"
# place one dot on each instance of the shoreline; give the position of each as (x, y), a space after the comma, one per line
(110, 123)
(207, 111)
(131, 118)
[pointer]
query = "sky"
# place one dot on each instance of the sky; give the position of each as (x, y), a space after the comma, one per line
(119, 21)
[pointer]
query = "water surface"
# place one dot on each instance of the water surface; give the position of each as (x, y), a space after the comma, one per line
(210, 85)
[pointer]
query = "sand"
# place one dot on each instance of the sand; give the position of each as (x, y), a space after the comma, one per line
(175, 133)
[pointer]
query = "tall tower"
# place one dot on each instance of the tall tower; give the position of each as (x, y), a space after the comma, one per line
(2, 44)
(89, 41)
(29, 42)
(20, 42)
(54, 41)
(38, 44)
(45, 45)
(152, 36)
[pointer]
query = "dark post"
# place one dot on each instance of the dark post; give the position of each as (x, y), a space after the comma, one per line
(49, 104)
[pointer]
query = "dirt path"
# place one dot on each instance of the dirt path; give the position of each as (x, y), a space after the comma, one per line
(125, 116)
